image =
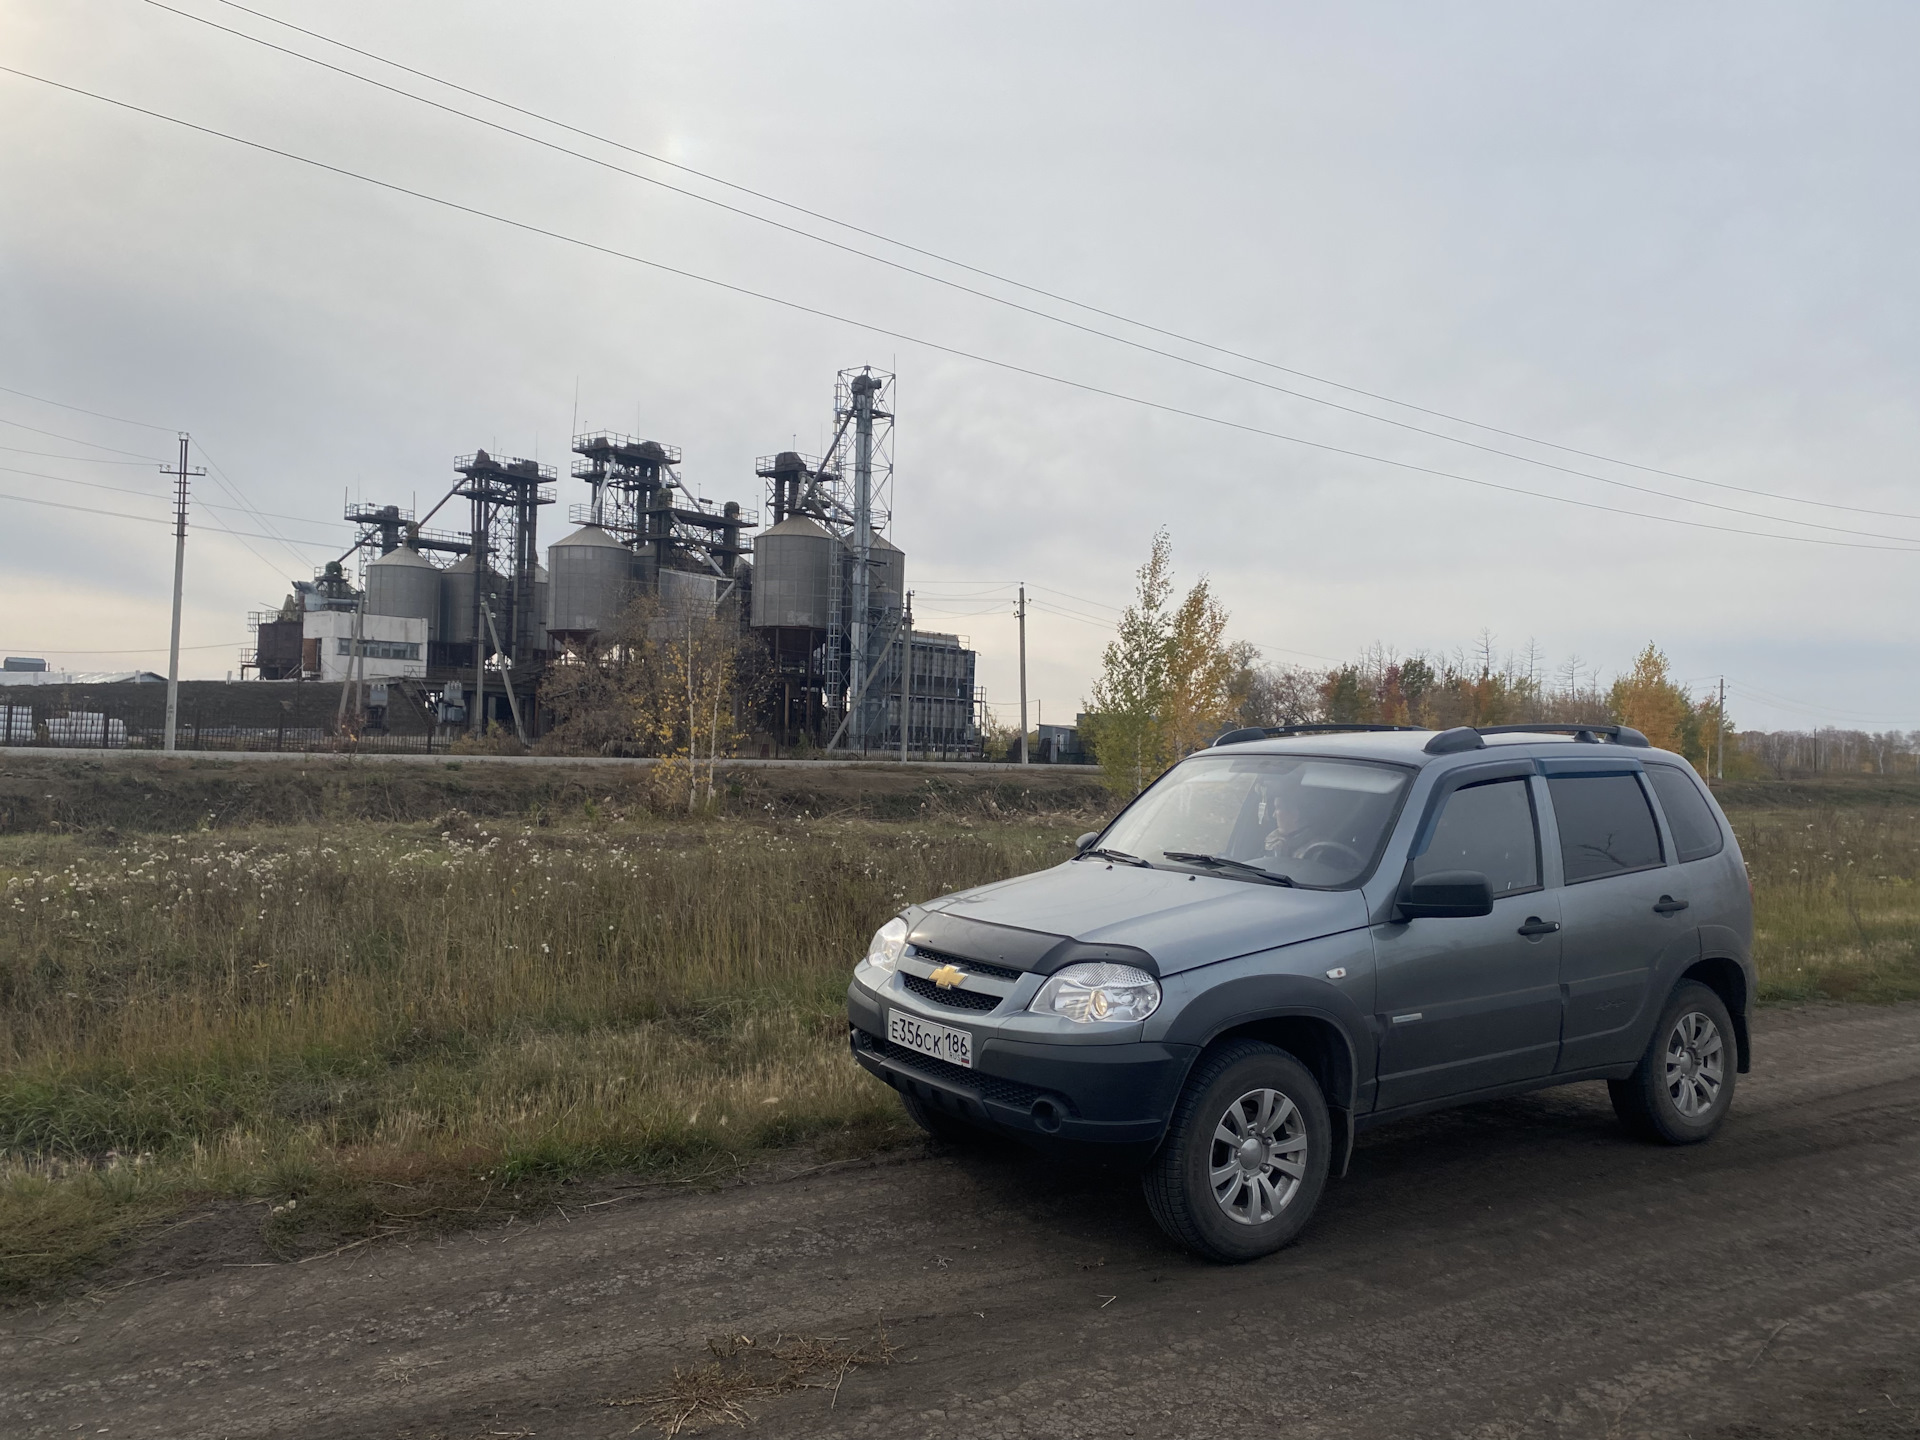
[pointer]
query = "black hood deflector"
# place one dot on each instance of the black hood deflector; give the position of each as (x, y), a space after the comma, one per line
(1030, 950)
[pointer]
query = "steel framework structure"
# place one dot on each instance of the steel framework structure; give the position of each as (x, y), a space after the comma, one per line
(633, 483)
(505, 496)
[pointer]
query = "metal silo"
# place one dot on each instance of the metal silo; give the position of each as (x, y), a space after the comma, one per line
(592, 582)
(457, 613)
(403, 583)
(886, 575)
(793, 575)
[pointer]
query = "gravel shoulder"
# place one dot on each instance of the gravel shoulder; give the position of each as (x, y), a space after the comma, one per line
(1514, 1269)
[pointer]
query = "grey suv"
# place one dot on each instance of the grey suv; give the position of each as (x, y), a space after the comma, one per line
(1300, 933)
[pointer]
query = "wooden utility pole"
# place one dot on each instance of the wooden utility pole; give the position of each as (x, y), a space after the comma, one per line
(180, 474)
(1023, 675)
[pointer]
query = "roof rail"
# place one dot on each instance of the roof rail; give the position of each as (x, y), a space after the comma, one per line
(1275, 732)
(1467, 737)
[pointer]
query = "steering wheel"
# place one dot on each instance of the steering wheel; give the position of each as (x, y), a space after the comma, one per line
(1309, 851)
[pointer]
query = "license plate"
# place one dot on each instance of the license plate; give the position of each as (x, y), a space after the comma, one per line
(942, 1042)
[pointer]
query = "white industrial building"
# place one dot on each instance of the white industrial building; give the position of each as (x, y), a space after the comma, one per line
(391, 647)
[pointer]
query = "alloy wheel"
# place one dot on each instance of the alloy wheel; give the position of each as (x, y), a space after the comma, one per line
(1696, 1059)
(1258, 1156)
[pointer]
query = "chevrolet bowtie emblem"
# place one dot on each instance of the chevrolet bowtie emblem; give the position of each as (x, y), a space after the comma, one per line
(948, 976)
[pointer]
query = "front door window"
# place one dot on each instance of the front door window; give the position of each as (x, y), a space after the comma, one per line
(1473, 1003)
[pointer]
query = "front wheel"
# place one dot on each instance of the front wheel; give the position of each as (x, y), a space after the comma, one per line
(1683, 1087)
(1245, 1157)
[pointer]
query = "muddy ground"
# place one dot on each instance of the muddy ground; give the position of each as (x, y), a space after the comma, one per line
(1514, 1269)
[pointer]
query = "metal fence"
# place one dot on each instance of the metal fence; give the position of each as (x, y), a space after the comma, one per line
(49, 726)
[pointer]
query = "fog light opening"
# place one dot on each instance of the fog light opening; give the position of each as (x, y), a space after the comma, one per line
(1046, 1115)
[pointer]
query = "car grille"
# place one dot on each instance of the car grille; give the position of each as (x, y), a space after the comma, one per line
(952, 999)
(972, 967)
(987, 1087)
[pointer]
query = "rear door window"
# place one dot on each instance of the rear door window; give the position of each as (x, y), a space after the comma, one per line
(1606, 825)
(1488, 828)
(1696, 833)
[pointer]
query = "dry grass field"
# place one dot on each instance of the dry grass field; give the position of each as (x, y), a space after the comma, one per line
(362, 1024)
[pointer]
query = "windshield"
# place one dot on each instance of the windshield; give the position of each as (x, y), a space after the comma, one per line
(1317, 822)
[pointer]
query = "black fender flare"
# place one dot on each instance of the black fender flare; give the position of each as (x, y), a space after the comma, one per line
(1246, 1002)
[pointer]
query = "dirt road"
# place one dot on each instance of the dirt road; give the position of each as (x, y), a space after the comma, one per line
(1515, 1269)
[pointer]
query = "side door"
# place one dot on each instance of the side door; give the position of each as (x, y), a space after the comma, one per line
(1624, 922)
(1466, 1004)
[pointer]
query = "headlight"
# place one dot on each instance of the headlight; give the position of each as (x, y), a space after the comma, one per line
(888, 941)
(1096, 991)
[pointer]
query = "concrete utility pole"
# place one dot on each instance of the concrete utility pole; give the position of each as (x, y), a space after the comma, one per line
(1720, 742)
(350, 685)
(181, 474)
(1023, 675)
(906, 676)
(863, 388)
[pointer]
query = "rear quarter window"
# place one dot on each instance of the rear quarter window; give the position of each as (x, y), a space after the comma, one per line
(1606, 825)
(1696, 833)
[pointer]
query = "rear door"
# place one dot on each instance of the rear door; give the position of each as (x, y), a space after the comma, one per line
(1622, 916)
(1467, 1004)
(1712, 882)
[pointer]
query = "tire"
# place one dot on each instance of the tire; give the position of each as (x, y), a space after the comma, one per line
(948, 1129)
(1683, 1087)
(1228, 1094)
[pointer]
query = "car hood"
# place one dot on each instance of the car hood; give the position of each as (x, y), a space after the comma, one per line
(1180, 919)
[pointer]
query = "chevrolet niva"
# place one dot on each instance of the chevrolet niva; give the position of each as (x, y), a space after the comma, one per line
(1301, 933)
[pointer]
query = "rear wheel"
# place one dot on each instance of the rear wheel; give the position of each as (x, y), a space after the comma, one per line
(1245, 1157)
(1683, 1088)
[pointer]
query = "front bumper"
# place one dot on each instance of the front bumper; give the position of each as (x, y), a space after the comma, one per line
(1101, 1101)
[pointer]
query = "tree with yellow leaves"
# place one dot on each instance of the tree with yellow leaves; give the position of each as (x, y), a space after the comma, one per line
(1647, 698)
(1168, 680)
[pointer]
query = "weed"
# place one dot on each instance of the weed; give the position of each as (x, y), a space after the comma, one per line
(742, 1367)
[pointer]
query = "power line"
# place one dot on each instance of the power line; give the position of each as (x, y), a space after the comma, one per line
(998, 299)
(77, 459)
(150, 520)
(75, 439)
(1757, 696)
(1005, 280)
(78, 410)
(90, 484)
(156, 495)
(243, 505)
(1006, 365)
(231, 486)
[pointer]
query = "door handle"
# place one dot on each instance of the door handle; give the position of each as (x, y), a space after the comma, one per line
(1536, 926)
(1669, 906)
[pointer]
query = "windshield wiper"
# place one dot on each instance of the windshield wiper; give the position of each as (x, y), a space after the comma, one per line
(1195, 857)
(1120, 855)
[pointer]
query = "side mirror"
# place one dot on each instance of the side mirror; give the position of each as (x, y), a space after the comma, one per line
(1085, 840)
(1447, 894)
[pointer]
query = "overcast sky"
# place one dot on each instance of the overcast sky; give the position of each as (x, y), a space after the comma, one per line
(1682, 237)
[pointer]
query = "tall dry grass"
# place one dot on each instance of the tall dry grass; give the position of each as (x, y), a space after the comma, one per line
(1836, 892)
(298, 1015)
(362, 1024)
